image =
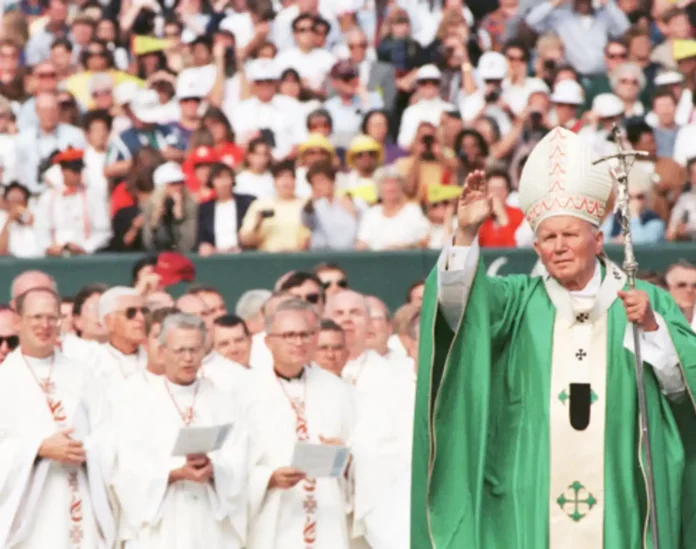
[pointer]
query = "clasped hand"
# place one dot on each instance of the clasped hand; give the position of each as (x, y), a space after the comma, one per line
(62, 448)
(198, 468)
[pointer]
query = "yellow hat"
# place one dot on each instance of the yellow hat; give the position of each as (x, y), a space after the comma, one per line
(366, 192)
(142, 45)
(364, 143)
(442, 193)
(316, 141)
(683, 49)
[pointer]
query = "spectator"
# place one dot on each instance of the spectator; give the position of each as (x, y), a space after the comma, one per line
(190, 93)
(375, 76)
(223, 137)
(350, 104)
(376, 125)
(627, 83)
(170, 216)
(275, 224)
(319, 121)
(18, 235)
(518, 87)
(394, 223)
(440, 214)
(220, 219)
(681, 283)
(138, 185)
(333, 221)
(39, 47)
(504, 229)
(8, 142)
(11, 73)
(97, 127)
(682, 222)
(615, 54)
(363, 158)
(74, 219)
(583, 29)
(488, 100)
(665, 129)
(675, 26)
(646, 225)
(427, 108)
(314, 149)
(567, 98)
(198, 165)
(501, 24)
(256, 178)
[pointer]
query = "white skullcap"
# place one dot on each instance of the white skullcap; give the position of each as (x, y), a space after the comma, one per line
(251, 303)
(560, 179)
(669, 78)
(428, 72)
(109, 299)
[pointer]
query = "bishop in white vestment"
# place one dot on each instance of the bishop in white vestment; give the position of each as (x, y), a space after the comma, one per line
(294, 403)
(169, 502)
(51, 489)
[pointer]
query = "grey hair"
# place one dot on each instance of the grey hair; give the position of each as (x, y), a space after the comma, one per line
(17, 281)
(387, 172)
(109, 299)
(365, 302)
(624, 69)
(295, 304)
(251, 303)
(180, 320)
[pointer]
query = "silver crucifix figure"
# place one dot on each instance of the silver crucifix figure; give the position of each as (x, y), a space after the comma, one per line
(630, 266)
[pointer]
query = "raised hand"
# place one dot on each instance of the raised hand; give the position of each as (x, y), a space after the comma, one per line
(473, 208)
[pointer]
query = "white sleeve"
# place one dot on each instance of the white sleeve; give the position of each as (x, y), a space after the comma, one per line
(657, 349)
(454, 268)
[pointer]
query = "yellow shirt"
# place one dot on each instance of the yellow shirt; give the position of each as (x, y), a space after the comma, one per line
(284, 231)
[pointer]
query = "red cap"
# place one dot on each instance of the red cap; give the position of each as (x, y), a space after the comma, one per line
(172, 267)
(69, 155)
(204, 155)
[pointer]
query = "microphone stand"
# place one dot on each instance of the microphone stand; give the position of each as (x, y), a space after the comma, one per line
(630, 266)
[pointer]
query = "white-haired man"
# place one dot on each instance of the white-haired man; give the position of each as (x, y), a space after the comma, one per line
(122, 312)
(527, 422)
(382, 449)
(197, 500)
(51, 490)
(250, 309)
(295, 402)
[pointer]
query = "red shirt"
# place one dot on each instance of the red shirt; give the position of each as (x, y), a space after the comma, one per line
(491, 236)
(121, 198)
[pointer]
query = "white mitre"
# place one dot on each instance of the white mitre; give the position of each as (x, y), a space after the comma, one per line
(559, 179)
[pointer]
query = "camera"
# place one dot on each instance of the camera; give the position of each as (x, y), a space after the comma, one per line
(550, 64)
(428, 142)
(492, 96)
(44, 165)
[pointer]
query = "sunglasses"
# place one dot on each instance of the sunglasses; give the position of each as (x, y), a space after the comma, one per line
(342, 283)
(12, 341)
(312, 298)
(131, 312)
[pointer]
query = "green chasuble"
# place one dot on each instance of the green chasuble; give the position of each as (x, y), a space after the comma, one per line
(481, 448)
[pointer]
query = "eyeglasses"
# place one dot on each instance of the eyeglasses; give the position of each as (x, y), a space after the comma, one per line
(341, 283)
(12, 341)
(97, 93)
(289, 337)
(682, 285)
(312, 298)
(629, 81)
(131, 312)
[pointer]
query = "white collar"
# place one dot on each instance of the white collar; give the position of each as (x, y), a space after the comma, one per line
(182, 390)
(592, 287)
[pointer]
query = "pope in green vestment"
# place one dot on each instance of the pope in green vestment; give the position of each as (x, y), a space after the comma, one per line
(481, 450)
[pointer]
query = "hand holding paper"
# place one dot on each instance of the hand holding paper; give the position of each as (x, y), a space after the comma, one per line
(320, 460)
(201, 440)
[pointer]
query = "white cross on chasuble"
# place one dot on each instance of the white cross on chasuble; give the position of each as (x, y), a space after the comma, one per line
(579, 357)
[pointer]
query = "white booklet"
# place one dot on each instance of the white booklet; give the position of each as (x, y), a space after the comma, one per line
(201, 440)
(320, 460)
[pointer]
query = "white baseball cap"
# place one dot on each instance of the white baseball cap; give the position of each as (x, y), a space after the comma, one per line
(125, 92)
(189, 86)
(568, 92)
(262, 69)
(669, 78)
(146, 106)
(607, 105)
(167, 173)
(492, 66)
(428, 72)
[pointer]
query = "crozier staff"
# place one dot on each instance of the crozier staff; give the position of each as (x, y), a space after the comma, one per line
(534, 462)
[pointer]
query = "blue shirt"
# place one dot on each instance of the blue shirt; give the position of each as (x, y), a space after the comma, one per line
(347, 119)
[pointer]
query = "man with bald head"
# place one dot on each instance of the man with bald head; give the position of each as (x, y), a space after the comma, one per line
(260, 355)
(384, 407)
(28, 280)
(381, 337)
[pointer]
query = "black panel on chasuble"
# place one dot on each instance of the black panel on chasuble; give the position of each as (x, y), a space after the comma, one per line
(580, 403)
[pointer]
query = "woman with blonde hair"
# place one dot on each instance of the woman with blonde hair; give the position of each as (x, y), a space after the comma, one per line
(628, 81)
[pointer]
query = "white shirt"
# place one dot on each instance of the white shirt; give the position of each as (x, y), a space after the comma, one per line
(258, 185)
(313, 66)
(423, 111)
(8, 158)
(93, 174)
(685, 145)
(23, 240)
(81, 218)
(407, 227)
(226, 225)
